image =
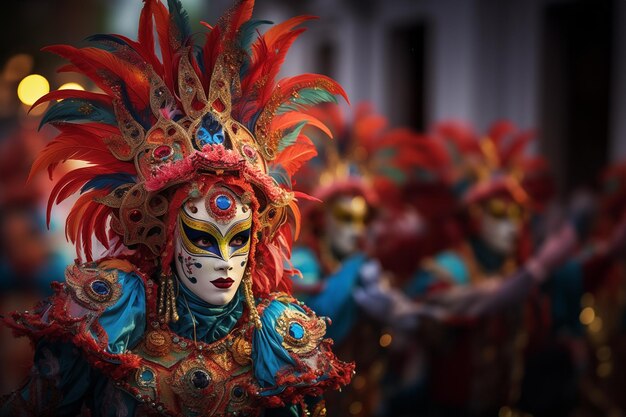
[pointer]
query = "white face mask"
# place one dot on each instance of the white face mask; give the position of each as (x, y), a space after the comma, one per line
(500, 234)
(345, 224)
(212, 244)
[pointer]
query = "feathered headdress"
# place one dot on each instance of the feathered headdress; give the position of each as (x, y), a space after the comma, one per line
(497, 163)
(210, 108)
(366, 154)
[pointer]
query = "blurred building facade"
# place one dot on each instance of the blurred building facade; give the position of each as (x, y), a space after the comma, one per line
(556, 65)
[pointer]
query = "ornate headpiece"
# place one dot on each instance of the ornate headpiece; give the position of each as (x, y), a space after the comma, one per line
(213, 109)
(357, 161)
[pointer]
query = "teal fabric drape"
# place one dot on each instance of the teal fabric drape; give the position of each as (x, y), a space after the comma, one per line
(125, 321)
(212, 322)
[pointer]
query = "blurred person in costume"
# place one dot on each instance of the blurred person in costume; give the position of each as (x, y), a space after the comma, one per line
(602, 310)
(494, 334)
(188, 187)
(472, 358)
(336, 253)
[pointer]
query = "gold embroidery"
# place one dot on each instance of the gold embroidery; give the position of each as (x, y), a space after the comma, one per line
(241, 350)
(319, 410)
(93, 287)
(158, 343)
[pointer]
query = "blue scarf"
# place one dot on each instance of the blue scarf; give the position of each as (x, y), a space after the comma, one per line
(212, 322)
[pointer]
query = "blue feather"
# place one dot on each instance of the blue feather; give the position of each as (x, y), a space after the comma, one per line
(74, 110)
(280, 175)
(290, 138)
(107, 42)
(180, 18)
(107, 182)
(142, 119)
(247, 33)
(307, 97)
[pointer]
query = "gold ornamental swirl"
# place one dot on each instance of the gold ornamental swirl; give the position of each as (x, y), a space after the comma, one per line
(313, 331)
(158, 343)
(93, 287)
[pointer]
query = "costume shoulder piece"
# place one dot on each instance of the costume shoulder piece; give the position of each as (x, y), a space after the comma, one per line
(291, 356)
(89, 309)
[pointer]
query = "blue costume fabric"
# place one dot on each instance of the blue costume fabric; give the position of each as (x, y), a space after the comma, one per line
(335, 301)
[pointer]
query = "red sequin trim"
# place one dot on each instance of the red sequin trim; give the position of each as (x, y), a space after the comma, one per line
(222, 215)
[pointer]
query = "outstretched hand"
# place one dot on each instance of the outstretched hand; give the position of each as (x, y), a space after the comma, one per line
(555, 250)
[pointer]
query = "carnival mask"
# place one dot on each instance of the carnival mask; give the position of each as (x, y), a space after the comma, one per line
(346, 224)
(213, 244)
(500, 225)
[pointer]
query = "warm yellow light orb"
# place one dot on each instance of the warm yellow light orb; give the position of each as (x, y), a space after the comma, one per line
(385, 340)
(72, 86)
(32, 88)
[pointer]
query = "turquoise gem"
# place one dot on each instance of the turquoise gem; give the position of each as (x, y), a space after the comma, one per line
(296, 331)
(223, 202)
(147, 375)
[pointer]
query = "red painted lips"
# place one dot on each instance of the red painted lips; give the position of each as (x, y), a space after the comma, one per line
(223, 282)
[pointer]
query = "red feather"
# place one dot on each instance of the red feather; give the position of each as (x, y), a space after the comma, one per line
(294, 156)
(71, 143)
(92, 62)
(77, 219)
(237, 16)
(210, 51)
(145, 35)
(500, 130)
(331, 115)
(100, 225)
(515, 150)
(72, 181)
(162, 21)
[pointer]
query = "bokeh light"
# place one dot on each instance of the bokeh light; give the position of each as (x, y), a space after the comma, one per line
(32, 88)
(72, 86)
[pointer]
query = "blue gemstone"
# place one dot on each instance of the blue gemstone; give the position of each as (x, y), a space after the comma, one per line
(200, 379)
(100, 287)
(147, 375)
(223, 202)
(296, 331)
(238, 391)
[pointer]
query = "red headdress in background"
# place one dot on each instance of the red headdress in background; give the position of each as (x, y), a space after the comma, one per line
(496, 165)
(495, 169)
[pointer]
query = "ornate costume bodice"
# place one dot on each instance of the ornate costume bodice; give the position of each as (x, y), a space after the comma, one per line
(240, 374)
(186, 378)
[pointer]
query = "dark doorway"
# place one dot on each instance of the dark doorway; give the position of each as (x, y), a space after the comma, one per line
(576, 73)
(325, 55)
(406, 53)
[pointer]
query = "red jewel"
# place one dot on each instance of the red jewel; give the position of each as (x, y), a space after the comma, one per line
(218, 105)
(249, 151)
(163, 151)
(135, 216)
